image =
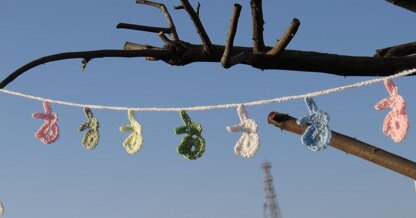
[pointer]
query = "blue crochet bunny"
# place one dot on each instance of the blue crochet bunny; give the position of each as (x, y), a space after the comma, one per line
(317, 135)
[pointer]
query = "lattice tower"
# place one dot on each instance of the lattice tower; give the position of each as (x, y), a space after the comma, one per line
(271, 207)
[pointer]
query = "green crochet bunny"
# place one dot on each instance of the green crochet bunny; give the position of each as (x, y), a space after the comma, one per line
(192, 145)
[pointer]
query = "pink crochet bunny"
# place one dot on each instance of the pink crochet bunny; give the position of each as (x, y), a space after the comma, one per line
(396, 123)
(49, 131)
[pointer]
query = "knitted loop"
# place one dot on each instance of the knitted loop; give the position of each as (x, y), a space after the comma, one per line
(92, 137)
(134, 141)
(249, 142)
(192, 145)
(396, 123)
(317, 135)
(48, 133)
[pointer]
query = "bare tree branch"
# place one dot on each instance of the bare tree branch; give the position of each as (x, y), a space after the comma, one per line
(286, 38)
(166, 13)
(85, 55)
(185, 53)
(407, 4)
(239, 58)
(179, 52)
(165, 39)
(143, 28)
(138, 47)
(135, 46)
(258, 23)
(351, 146)
(225, 60)
(198, 8)
(179, 7)
(207, 45)
(397, 50)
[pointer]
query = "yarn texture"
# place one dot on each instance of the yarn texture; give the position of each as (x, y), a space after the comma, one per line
(248, 144)
(396, 123)
(92, 137)
(318, 135)
(220, 106)
(192, 145)
(48, 133)
(134, 141)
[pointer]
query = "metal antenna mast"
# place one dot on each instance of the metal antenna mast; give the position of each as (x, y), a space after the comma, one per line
(271, 207)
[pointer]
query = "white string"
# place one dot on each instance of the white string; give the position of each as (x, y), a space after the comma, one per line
(220, 106)
(415, 184)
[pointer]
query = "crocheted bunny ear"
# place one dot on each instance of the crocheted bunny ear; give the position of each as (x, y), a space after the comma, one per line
(92, 137)
(312, 107)
(317, 135)
(391, 87)
(396, 123)
(48, 133)
(249, 142)
(134, 141)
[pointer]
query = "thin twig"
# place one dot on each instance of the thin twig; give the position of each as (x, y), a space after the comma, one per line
(286, 38)
(407, 4)
(165, 39)
(258, 23)
(143, 28)
(198, 26)
(225, 60)
(198, 7)
(352, 146)
(179, 7)
(162, 7)
(87, 55)
(397, 50)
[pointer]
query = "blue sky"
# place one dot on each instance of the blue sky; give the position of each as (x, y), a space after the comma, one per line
(66, 180)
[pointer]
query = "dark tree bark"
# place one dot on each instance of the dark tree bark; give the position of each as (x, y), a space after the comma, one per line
(185, 53)
(397, 50)
(408, 4)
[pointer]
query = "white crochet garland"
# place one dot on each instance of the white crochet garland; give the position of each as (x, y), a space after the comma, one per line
(212, 107)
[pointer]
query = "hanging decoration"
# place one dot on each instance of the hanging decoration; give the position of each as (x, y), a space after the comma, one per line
(134, 141)
(92, 137)
(249, 142)
(317, 136)
(192, 145)
(48, 133)
(396, 123)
